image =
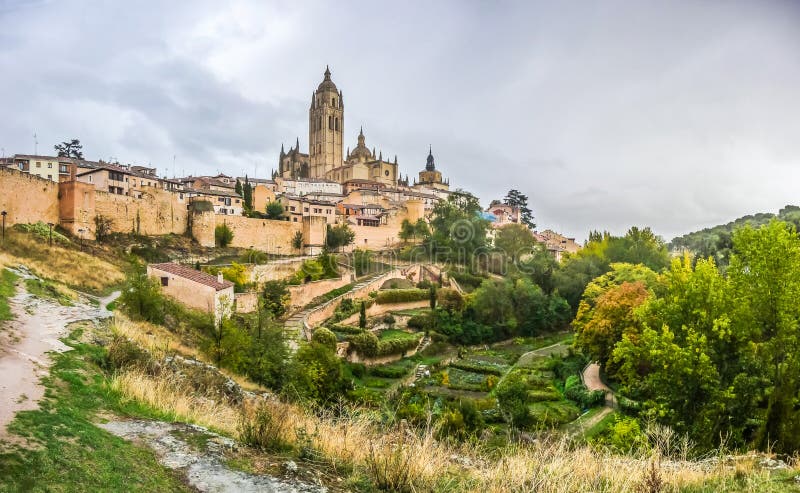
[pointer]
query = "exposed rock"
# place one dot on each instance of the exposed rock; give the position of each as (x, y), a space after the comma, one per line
(204, 465)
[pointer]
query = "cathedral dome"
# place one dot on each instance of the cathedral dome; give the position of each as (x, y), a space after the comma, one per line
(327, 84)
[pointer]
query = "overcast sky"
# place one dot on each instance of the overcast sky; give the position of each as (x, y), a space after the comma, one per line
(677, 115)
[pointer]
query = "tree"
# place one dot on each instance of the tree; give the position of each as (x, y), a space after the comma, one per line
(516, 199)
(238, 188)
(71, 148)
(268, 355)
(339, 236)
(362, 316)
(514, 240)
(451, 300)
(458, 230)
(223, 235)
(297, 240)
(541, 267)
(512, 398)
(142, 297)
(407, 230)
(276, 297)
(432, 296)
(639, 246)
(102, 227)
(600, 328)
(274, 210)
(316, 373)
(247, 194)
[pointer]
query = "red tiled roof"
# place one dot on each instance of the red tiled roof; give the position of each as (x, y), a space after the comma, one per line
(193, 275)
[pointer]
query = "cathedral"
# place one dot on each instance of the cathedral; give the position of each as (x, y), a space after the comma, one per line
(326, 159)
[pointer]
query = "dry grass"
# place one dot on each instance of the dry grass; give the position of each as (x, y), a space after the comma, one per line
(401, 460)
(160, 342)
(66, 265)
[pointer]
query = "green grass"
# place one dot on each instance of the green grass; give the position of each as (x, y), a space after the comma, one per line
(553, 413)
(390, 334)
(68, 452)
(7, 280)
(44, 289)
(601, 426)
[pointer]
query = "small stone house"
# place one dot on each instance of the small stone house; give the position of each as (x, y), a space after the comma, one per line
(194, 288)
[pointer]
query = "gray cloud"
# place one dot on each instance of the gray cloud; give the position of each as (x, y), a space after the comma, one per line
(676, 115)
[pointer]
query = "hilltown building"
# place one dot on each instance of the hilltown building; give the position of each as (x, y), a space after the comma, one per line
(194, 288)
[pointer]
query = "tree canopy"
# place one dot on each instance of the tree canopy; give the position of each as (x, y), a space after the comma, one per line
(70, 148)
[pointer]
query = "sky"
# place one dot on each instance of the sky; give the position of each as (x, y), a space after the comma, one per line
(676, 115)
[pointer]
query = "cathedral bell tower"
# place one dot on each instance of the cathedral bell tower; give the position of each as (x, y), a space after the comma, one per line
(325, 128)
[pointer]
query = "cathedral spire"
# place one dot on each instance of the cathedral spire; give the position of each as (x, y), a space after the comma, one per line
(327, 73)
(380, 157)
(297, 145)
(283, 153)
(429, 165)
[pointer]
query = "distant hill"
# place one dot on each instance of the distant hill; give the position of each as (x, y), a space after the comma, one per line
(716, 241)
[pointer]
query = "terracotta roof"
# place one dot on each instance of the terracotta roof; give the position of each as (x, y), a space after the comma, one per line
(193, 275)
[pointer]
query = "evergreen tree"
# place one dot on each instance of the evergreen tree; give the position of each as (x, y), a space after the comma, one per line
(515, 198)
(238, 187)
(362, 316)
(247, 193)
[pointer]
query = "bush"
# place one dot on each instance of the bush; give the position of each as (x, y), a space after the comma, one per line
(123, 353)
(325, 337)
(401, 296)
(576, 391)
(397, 345)
(388, 371)
(346, 329)
(365, 343)
(420, 322)
(223, 236)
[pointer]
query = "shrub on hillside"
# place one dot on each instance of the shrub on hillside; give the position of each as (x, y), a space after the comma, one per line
(325, 337)
(401, 295)
(480, 367)
(223, 236)
(576, 391)
(365, 344)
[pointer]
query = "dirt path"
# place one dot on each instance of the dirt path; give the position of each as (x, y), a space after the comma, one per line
(592, 380)
(25, 341)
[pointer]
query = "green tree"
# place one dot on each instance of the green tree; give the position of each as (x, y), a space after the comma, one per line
(297, 240)
(407, 230)
(238, 188)
(268, 355)
(514, 240)
(142, 297)
(516, 199)
(247, 194)
(339, 236)
(274, 210)
(432, 296)
(362, 316)
(315, 374)
(541, 267)
(458, 230)
(276, 297)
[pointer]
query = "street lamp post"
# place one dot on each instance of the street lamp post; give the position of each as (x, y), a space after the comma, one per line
(4, 224)
(50, 225)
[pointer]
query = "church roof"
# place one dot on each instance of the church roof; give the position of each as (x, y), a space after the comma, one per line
(327, 84)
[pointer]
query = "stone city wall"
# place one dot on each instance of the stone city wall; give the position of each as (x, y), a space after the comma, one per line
(158, 212)
(27, 198)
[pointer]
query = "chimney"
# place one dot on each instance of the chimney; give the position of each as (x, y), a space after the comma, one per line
(219, 278)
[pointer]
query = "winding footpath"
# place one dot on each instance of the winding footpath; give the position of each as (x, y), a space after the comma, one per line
(26, 340)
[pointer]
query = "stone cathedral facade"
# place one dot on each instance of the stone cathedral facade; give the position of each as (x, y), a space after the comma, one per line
(326, 158)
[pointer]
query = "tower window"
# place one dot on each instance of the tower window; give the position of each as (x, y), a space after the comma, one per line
(333, 101)
(330, 123)
(336, 123)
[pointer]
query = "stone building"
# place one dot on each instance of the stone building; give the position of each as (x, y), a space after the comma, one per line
(326, 158)
(194, 288)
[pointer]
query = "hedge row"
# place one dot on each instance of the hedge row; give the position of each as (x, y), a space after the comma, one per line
(368, 345)
(479, 367)
(401, 295)
(345, 329)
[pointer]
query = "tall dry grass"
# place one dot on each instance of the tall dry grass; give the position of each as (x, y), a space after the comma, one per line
(67, 265)
(401, 460)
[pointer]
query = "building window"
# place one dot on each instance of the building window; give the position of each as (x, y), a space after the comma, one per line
(333, 101)
(90, 178)
(38, 164)
(330, 123)
(63, 168)
(336, 123)
(50, 165)
(49, 177)
(165, 281)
